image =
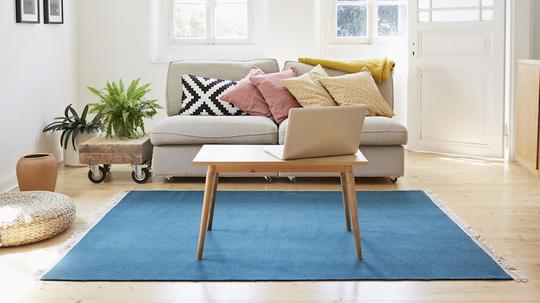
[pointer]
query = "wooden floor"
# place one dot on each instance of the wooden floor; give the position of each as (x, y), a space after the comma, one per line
(500, 200)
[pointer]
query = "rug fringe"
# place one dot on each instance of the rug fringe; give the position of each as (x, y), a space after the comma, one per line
(511, 270)
(77, 236)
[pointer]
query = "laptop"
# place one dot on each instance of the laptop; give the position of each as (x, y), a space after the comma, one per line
(321, 132)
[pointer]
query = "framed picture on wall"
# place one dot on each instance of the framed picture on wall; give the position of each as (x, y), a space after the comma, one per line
(53, 11)
(27, 11)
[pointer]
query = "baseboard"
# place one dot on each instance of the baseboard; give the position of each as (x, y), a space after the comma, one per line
(8, 183)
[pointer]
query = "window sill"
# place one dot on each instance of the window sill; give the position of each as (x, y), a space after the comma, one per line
(211, 43)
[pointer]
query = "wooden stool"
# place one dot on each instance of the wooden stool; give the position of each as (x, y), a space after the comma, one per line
(99, 153)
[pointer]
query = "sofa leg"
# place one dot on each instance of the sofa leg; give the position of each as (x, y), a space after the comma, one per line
(268, 179)
(394, 179)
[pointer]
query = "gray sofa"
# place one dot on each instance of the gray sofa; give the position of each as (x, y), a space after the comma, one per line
(177, 139)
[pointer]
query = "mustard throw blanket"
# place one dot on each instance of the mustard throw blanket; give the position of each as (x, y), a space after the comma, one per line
(380, 68)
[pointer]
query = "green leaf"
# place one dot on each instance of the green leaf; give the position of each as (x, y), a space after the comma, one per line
(67, 136)
(73, 112)
(73, 137)
(85, 112)
(62, 137)
(66, 111)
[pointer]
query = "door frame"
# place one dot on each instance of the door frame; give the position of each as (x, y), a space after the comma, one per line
(413, 84)
(519, 35)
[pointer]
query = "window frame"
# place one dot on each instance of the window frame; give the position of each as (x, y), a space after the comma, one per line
(372, 23)
(210, 27)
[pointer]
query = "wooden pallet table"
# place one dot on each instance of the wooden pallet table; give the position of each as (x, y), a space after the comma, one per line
(100, 153)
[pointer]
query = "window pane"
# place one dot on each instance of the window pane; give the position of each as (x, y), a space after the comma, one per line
(455, 15)
(487, 14)
(487, 2)
(423, 17)
(423, 3)
(231, 19)
(351, 21)
(190, 20)
(454, 3)
(388, 20)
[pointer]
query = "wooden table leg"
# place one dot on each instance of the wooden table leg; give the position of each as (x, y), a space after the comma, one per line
(210, 180)
(345, 200)
(351, 193)
(213, 201)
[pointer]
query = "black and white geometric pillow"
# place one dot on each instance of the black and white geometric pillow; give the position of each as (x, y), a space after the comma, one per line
(201, 97)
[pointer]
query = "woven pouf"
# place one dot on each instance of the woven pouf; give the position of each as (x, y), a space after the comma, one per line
(27, 217)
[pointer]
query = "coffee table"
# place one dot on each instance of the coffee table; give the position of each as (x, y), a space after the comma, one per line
(254, 159)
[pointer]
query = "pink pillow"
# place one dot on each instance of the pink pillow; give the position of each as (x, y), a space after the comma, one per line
(276, 95)
(247, 97)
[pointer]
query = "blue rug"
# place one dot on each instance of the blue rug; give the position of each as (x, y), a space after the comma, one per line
(275, 236)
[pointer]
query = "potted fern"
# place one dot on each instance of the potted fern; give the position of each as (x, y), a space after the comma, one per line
(123, 110)
(74, 129)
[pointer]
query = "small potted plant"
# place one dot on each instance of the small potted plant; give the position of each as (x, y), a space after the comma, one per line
(74, 129)
(123, 110)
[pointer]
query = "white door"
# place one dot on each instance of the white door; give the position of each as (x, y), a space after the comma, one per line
(456, 77)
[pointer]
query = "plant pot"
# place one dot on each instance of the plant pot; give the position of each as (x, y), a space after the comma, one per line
(71, 156)
(37, 172)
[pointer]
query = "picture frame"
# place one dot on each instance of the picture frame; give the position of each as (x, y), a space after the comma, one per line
(53, 11)
(27, 11)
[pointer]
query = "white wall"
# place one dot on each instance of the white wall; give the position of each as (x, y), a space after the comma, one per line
(114, 42)
(38, 78)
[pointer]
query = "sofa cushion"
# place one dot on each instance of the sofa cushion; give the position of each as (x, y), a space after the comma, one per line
(307, 89)
(358, 88)
(214, 130)
(202, 97)
(377, 131)
(275, 94)
(247, 97)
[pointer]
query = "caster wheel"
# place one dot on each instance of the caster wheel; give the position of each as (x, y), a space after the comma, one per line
(394, 180)
(107, 167)
(268, 179)
(292, 179)
(99, 178)
(145, 175)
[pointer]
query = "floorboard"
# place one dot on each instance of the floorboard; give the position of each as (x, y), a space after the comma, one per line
(500, 200)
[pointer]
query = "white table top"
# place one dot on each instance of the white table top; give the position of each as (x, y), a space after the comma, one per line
(256, 155)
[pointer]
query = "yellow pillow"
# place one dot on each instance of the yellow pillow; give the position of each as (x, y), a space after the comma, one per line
(308, 91)
(358, 88)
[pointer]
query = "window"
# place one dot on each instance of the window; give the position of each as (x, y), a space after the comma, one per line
(391, 18)
(212, 21)
(361, 20)
(351, 19)
(455, 10)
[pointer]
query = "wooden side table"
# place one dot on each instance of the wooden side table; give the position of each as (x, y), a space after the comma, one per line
(254, 159)
(99, 153)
